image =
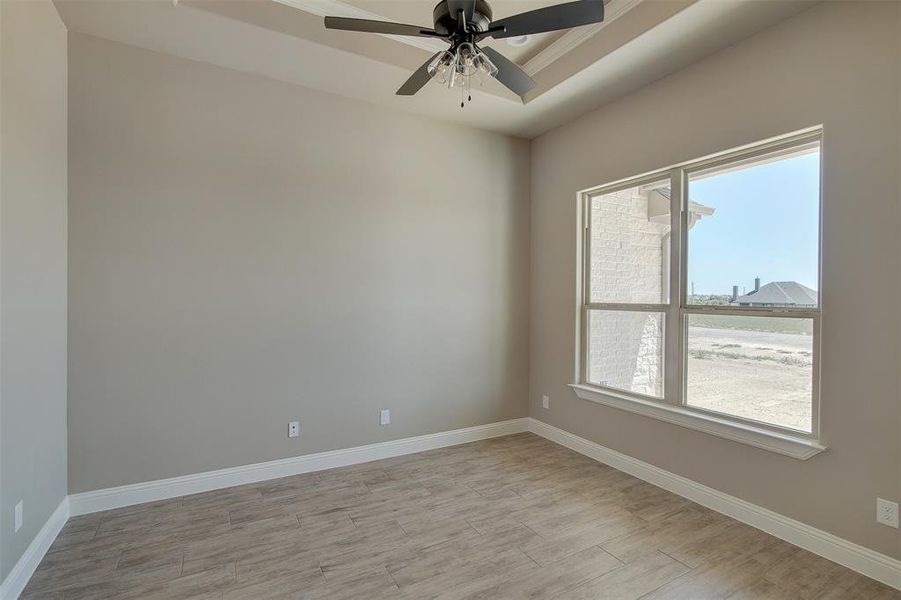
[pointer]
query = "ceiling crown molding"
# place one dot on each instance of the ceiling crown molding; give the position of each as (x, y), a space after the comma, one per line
(335, 8)
(574, 37)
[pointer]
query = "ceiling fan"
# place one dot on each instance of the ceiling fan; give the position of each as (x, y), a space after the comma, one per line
(465, 23)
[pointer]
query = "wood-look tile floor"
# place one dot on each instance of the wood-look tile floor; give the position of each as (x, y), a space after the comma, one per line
(512, 517)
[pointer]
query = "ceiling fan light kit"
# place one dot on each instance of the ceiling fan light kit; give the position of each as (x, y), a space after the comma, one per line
(465, 23)
(458, 68)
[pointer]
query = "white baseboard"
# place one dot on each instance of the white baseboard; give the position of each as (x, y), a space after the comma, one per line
(15, 582)
(863, 560)
(858, 558)
(127, 495)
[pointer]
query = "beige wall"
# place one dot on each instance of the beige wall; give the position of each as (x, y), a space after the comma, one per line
(32, 270)
(834, 64)
(244, 253)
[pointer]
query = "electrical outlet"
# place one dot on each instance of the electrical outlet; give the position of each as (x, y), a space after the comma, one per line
(294, 429)
(887, 512)
(18, 516)
(385, 417)
(545, 402)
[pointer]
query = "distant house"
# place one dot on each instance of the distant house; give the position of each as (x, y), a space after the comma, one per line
(777, 293)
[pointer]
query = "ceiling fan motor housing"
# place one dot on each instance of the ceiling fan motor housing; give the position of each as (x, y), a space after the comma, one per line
(446, 23)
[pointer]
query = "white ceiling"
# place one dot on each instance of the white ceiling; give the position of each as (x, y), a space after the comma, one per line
(648, 43)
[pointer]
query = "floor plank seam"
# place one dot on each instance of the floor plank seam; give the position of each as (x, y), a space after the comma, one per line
(690, 568)
(650, 593)
(388, 571)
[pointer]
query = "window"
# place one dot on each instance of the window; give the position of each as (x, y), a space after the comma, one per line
(700, 300)
(627, 294)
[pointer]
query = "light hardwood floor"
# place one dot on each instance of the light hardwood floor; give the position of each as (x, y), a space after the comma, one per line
(513, 517)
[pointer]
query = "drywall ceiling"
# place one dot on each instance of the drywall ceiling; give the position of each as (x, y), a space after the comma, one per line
(641, 41)
(542, 56)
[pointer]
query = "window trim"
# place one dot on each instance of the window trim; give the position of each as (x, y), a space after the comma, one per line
(672, 407)
(795, 446)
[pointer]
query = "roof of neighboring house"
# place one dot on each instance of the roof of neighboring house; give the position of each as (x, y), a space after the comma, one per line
(780, 292)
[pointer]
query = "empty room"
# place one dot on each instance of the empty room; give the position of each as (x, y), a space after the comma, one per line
(450, 299)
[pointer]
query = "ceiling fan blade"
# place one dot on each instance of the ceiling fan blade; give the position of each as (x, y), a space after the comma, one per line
(467, 6)
(417, 79)
(508, 73)
(367, 26)
(551, 18)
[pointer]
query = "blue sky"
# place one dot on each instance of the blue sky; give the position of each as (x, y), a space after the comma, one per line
(765, 225)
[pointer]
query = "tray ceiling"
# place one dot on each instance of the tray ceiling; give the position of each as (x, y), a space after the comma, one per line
(576, 71)
(537, 53)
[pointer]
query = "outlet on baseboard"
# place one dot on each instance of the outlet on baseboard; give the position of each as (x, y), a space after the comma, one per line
(18, 515)
(545, 402)
(294, 429)
(887, 512)
(385, 417)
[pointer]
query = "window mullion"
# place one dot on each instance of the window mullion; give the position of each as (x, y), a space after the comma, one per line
(672, 356)
(585, 249)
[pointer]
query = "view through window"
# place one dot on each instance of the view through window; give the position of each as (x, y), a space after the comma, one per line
(629, 264)
(758, 255)
(736, 335)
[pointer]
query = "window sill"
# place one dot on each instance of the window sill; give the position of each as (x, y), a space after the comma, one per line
(795, 446)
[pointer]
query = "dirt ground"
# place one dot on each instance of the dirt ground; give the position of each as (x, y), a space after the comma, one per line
(765, 376)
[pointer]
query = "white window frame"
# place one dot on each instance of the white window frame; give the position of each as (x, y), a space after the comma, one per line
(673, 407)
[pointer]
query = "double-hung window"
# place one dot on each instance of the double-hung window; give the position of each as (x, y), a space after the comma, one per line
(700, 298)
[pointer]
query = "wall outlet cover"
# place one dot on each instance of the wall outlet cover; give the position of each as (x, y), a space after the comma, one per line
(385, 417)
(545, 402)
(294, 429)
(887, 512)
(18, 515)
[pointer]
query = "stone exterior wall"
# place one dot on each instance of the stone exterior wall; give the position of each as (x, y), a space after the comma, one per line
(625, 348)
